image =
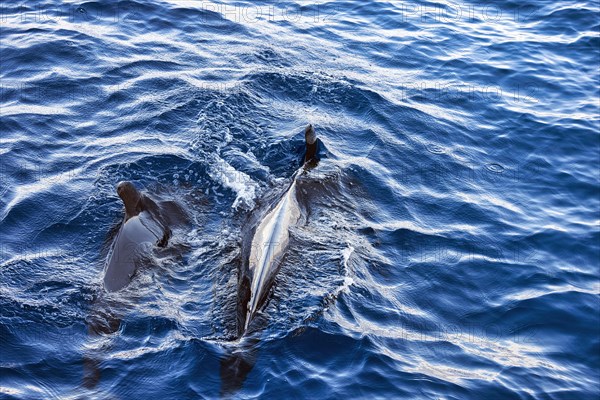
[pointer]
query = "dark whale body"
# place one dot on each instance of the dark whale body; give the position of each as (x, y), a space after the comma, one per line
(144, 226)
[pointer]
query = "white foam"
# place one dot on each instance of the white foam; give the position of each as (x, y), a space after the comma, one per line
(348, 281)
(244, 187)
(346, 254)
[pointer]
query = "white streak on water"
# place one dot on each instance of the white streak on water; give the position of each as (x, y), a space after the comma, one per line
(244, 187)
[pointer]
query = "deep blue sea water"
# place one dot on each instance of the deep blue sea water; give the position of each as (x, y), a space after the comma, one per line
(451, 246)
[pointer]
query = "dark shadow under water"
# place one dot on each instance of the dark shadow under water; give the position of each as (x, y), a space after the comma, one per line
(102, 321)
(236, 365)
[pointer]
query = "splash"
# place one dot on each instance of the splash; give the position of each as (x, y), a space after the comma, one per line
(244, 187)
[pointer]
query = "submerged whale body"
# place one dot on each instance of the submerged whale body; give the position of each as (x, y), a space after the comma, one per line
(269, 243)
(263, 250)
(147, 224)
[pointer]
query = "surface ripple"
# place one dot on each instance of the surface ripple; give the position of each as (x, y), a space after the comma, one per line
(450, 242)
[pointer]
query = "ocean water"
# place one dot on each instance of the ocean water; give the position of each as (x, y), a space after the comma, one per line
(450, 243)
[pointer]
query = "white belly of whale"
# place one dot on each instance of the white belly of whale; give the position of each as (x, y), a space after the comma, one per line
(269, 245)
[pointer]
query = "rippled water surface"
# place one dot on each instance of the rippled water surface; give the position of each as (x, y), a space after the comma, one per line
(449, 247)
